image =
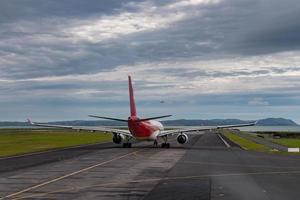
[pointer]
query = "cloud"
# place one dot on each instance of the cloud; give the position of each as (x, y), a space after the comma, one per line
(133, 32)
(252, 74)
(147, 18)
(69, 51)
(258, 102)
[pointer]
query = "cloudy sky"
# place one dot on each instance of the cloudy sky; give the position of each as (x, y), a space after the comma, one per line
(65, 59)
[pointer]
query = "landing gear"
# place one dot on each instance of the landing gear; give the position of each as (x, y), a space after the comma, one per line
(165, 145)
(155, 144)
(126, 145)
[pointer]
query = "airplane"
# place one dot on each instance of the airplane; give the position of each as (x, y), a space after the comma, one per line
(141, 128)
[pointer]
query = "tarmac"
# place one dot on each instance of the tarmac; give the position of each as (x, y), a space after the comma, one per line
(204, 168)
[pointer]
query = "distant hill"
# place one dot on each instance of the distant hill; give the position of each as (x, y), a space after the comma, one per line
(179, 122)
(276, 122)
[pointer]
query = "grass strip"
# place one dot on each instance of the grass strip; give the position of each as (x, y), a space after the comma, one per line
(288, 142)
(245, 143)
(21, 141)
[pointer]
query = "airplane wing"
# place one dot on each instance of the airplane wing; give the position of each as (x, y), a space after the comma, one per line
(97, 128)
(201, 130)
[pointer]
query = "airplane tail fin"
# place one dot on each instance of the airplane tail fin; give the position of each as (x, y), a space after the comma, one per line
(132, 108)
(131, 98)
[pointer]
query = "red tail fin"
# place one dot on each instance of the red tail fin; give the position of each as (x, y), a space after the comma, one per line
(131, 98)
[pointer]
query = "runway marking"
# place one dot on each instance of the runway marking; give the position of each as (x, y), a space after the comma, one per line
(67, 175)
(159, 179)
(224, 141)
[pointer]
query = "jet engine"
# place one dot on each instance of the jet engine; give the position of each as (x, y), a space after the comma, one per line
(117, 139)
(182, 138)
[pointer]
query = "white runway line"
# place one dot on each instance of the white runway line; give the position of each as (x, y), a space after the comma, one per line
(66, 176)
(224, 141)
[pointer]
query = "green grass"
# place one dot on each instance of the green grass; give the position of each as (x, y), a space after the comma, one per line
(20, 141)
(288, 142)
(244, 143)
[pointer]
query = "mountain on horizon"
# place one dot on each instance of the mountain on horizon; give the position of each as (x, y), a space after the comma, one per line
(178, 122)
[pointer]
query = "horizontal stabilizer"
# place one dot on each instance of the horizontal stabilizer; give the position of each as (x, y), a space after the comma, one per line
(151, 118)
(115, 119)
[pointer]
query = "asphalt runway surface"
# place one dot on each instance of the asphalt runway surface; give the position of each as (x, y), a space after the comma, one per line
(204, 168)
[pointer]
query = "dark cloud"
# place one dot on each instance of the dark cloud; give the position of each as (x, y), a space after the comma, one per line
(12, 10)
(65, 38)
(36, 39)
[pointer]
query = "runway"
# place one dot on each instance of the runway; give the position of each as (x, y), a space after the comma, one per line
(205, 168)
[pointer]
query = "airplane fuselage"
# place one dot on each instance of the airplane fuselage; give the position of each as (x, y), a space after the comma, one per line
(144, 130)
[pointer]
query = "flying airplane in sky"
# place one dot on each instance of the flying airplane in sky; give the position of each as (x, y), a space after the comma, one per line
(141, 128)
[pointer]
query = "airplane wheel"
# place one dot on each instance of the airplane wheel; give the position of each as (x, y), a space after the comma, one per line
(126, 145)
(165, 145)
